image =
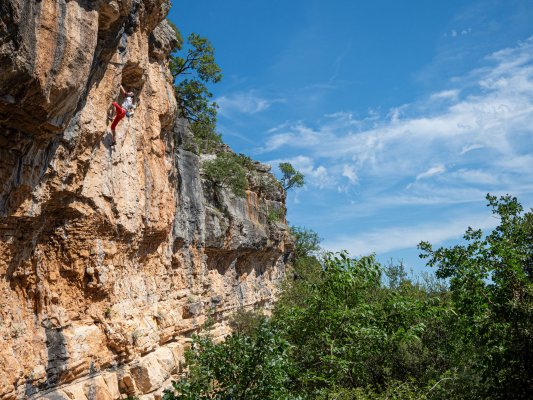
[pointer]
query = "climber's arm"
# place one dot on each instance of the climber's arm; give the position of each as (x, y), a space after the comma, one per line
(123, 91)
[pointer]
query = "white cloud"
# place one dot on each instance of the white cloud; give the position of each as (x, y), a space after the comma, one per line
(243, 102)
(418, 160)
(291, 135)
(470, 147)
(401, 237)
(435, 170)
(349, 172)
(476, 177)
(445, 94)
(458, 32)
(395, 113)
(483, 138)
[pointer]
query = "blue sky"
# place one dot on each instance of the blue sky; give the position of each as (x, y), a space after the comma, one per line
(401, 114)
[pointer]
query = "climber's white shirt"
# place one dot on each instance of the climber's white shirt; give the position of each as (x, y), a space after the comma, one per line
(128, 103)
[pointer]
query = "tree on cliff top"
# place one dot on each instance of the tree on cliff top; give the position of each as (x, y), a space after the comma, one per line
(291, 177)
(192, 73)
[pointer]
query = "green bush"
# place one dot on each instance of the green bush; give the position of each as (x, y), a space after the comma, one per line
(275, 214)
(306, 241)
(225, 172)
(352, 332)
(241, 367)
(347, 328)
(246, 322)
(246, 162)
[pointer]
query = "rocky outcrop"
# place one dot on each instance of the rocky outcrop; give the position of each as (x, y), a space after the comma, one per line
(111, 257)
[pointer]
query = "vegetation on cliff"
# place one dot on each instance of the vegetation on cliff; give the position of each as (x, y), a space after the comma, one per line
(192, 73)
(349, 328)
(290, 176)
(226, 172)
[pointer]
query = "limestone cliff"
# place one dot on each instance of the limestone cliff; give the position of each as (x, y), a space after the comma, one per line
(110, 258)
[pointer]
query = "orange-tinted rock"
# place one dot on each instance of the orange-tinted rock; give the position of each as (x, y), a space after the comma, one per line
(111, 257)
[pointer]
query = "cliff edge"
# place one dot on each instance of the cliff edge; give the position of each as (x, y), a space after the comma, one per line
(111, 257)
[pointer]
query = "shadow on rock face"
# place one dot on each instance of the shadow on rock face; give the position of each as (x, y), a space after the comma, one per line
(133, 77)
(57, 362)
(23, 162)
(57, 355)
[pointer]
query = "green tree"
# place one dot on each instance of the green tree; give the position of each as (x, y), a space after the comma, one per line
(491, 284)
(192, 73)
(290, 176)
(349, 331)
(306, 241)
(225, 171)
(348, 328)
(305, 268)
(243, 367)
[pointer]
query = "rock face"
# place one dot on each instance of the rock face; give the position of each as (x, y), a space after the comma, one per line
(110, 258)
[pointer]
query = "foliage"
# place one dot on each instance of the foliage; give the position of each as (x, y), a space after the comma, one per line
(290, 176)
(305, 268)
(201, 113)
(246, 322)
(226, 172)
(306, 241)
(242, 367)
(275, 214)
(245, 161)
(491, 284)
(347, 328)
(393, 391)
(266, 186)
(199, 61)
(351, 332)
(196, 69)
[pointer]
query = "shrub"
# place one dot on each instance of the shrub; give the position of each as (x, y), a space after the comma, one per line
(241, 367)
(275, 214)
(246, 322)
(306, 241)
(225, 172)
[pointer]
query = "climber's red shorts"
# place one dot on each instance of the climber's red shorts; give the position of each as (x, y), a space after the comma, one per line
(121, 113)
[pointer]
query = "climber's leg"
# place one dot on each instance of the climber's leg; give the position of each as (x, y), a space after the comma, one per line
(121, 113)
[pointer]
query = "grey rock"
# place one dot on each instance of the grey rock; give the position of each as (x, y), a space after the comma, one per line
(162, 41)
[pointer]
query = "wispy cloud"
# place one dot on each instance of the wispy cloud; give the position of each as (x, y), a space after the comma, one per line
(435, 170)
(471, 147)
(244, 103)
(417, 157)
(401, 237)
(446, 94)
(458, 32)
(411, 145)
(349, 172)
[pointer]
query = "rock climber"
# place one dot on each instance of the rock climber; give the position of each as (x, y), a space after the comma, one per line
(126, 109)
